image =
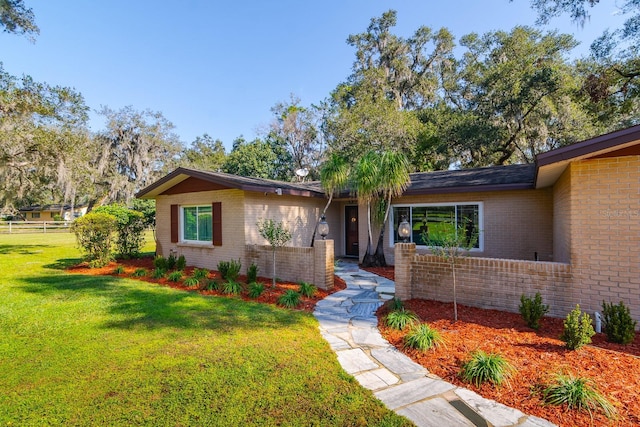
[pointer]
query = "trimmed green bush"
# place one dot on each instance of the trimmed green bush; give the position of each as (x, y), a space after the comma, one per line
(307, 289)
(396, 304)
(130, 229)
(232, 287)
(139, 272)
(160, 262)
(229, 270)
(577, 393)
(175, 276)
(95, 235)
(255, 289)
(289, 299)
(483, 367)
(171, 261)
(200, 273)
(618, 323)
(191, 282)
(181, 262)
(212, 285)
(401, 318)
(532, 310)
(252, 273)
(577, 329)
(158, 273)
(423, 337)
(118, 270)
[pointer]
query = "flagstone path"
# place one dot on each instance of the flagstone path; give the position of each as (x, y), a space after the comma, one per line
(348, 322)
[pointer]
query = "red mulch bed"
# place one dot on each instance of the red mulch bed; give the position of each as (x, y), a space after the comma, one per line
(536, 355)
(269, 296)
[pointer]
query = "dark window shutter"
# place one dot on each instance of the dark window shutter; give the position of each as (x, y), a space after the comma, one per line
(174, 223)
(216, 209)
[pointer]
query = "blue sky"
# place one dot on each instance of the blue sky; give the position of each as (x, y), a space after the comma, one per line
(218, 67)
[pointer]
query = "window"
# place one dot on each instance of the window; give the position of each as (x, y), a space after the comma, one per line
(35, 215)
(197, 224)
(427, 220)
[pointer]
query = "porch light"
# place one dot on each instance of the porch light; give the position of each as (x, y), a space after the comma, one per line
(323, 227)
(404, 229)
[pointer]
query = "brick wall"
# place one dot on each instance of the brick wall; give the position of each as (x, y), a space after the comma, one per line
(483, 282)
(605, 229)
(296, 264)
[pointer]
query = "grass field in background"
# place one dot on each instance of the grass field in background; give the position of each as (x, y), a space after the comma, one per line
(98, 350)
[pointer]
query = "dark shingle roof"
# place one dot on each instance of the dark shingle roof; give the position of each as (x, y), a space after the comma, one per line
(492, 178)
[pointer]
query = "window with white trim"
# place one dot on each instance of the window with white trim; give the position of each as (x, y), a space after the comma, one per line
(428, 219)
(196, 223)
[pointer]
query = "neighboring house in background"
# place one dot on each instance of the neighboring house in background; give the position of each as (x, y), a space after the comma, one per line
(576, 212)
(48, 212)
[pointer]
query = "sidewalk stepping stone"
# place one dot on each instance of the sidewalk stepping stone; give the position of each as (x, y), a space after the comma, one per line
(495, 413)
(335, 342)
(368, 337)
(355, 360)
(434, 412)
(395, 361)
(413, 391)
(376, 379)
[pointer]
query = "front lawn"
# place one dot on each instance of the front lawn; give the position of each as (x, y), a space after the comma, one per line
(102, 350)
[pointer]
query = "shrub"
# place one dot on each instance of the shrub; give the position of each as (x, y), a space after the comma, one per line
(255, 289)
(396, 304)
(484, 367)
(175, 276)
(140, 272)
(118, 270)
(171, 261)
(423, 337)
(307, 289)
(289, 299)
(212, 285)
(618, 323)
(252, 273)
(577, 329)
(160, 262)
(577, 393)
(229, 270)
(191, 282)
(94, 234)
(158, 273)
(130, 227)
(232, 287)
(401, 318)
(532, 310)
(200, 273)
(181, 263)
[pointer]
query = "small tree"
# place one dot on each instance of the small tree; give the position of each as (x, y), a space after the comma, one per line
(130, 225)
(94, 234)
(452, 243)
(277, 235)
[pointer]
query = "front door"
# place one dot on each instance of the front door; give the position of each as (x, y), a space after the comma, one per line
(351, 231)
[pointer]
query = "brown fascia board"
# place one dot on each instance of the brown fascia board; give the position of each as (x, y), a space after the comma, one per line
(590, 146)
(231, 183)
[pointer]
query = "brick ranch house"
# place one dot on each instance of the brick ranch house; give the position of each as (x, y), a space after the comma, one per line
(567, 226)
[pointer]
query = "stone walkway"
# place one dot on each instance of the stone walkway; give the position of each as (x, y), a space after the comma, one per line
(348, 322)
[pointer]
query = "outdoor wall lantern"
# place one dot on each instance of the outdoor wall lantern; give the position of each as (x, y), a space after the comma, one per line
(323, 227)
(404, 229)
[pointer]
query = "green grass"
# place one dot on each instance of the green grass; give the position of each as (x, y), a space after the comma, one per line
(484, 367)
(86, 350)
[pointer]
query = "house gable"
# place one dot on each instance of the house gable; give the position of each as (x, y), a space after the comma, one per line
(193, 185)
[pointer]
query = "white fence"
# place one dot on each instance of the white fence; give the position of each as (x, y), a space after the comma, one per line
(14, 227)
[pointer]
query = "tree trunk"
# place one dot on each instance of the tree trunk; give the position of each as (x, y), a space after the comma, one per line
(273, 284)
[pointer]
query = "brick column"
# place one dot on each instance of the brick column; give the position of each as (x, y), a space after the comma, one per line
(323, 264)
(404, 253)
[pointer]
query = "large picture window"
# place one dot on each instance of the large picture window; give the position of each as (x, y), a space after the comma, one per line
(429, 221)
(197, 223)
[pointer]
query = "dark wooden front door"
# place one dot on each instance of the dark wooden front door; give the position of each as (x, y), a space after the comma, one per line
(351, 230)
